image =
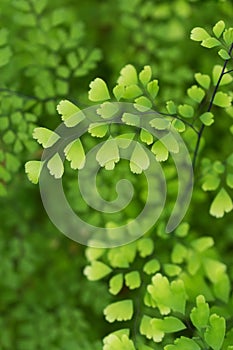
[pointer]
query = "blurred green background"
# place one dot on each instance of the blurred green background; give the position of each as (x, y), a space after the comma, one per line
(51, 51)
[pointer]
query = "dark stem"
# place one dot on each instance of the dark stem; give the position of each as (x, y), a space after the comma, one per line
(175, 116)
(209, 109)
(228, 71)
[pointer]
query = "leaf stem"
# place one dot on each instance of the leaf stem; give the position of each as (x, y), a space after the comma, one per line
(200, 133)
(228, 71)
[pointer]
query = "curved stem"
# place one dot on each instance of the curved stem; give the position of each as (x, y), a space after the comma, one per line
(200, 133)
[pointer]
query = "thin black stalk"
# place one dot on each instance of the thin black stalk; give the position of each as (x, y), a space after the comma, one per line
(200, 133)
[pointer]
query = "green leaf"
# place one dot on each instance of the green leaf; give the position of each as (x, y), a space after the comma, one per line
(224, 54)
(200, 314)
(151, 267)
(146, 137)
(145, 247)
(179, 125)
(156, 328)
(98, 129)
(133, 280)
(145, 75)
(171, 107)
(123, 256)
(218, 167)
(179, 253)
(115, 342)
(222, 100)
(139, 160)
(214, 335)
(199, 34)
(107, 110)
(228, 36)
(168, 296)
(202, 244)
(207, 118)
(160, 151)
(70, 114)
(203, 79)
(74, 152)
(55, 166)
(211, 182)
(57, 17)
(226, 79)
(153, 88)
(132, 91)
(218, 28)
(97, 270)
(9, 137)
(214, 269)
(119, 333)
(171, 270)
(72, 60)
(17, 117)
(161, 293)
(128, 76)
(169, 324)
(93, 253)
(118, 91)
(119, 311)
(178, 300)
(12, 162)
(45, 137)
(116, 284)
(183, 343)
(149, 301)
(142, 104)
(40, 6)
(118, 260)
(98, 91)
(222, 288)
(160, 123)
(33, 169)
(182, 230)
(210, 43)
(131, 119)
(146, 329)
(108, 154)
(196, 93)
(186, 111)
(221, 204)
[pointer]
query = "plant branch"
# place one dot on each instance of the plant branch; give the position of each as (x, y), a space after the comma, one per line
(200, 133)
(228, 71)
(175, 116)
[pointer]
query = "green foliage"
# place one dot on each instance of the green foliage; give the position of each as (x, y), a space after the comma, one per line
(51, 56)
(190, 271)
(119, 311)
(166, 291)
